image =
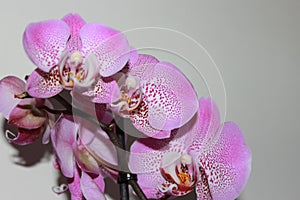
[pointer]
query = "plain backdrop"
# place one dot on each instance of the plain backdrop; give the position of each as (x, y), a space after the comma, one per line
(254, 44)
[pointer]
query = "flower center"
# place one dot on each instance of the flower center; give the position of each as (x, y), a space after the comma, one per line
(72, 69)
(130, 98)
(185, 178)
(179, 172)
(76, 58)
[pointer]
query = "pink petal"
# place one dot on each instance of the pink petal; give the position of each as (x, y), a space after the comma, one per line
(133, 57)
(98, 111)
(140, 120)
(203, 127)
(24, 136)
(9, 87)
(202, 188)
(146, 153)
(44, 85)
(99, 180)
(46, 135)
(106, 90)
(208, 120)
(90, 189)
(149, 182)
(74, 185)
(146, 159)
(139, 69)
(51, 118)
(142, 59)
(109, 46)
(45, 41)
(102, 114)
(97, 142)
(75, 22)
(171, 98)
(26, 115)
(63, 136)
(227, 163)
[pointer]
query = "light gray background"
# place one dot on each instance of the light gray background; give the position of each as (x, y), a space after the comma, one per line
(255, 45)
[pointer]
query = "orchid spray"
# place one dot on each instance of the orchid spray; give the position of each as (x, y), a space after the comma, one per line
(88, 83)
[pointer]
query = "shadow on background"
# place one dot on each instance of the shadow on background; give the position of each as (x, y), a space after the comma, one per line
(28, 155)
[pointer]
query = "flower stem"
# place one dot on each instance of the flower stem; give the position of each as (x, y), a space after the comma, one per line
(117, 137)
(123, 182)
(137, 189)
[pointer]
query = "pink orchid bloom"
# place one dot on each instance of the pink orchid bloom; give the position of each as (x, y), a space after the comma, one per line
(75, 145)
(70, 52)
(156, 96)
(200, 156)
(22, 113)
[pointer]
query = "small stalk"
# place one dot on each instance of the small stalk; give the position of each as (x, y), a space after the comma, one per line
(122, 179)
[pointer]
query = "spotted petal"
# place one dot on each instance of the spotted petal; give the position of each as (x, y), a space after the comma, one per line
(137, 60)
(146, 157)
(227, 164)
(139, 118)
(149, 183)
(106, 90)
(63, 136)
(133, 56)
(9, 87)
(45, 41)
(171, 98)
(138, 69)
(144, 160)
(44, 85)
(75, 22)
(146, 153)
(109, 46)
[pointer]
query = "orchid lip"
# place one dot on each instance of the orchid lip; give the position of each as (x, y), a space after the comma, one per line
(72, 68)
(180, 173)
(131, 96)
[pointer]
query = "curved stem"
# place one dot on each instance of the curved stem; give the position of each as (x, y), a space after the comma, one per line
(75, 111)
(137, 189)
(165, 197)
(53, 111)
(122, 162)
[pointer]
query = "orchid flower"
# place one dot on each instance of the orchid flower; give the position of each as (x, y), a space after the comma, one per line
(69, 52)
(156, 96)
(22, 113)
(75, 145)
(214, 161)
